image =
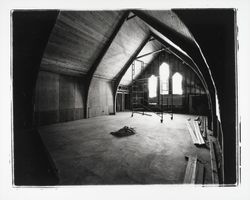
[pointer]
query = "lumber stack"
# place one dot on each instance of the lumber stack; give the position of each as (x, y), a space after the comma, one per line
(214, 168)
(194, 173)
(195, 132)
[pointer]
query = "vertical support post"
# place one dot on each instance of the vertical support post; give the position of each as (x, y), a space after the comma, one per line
(122, 101)
(161, 107)
(172, 102)
(171, 92)
(142, 84)
(172, 105)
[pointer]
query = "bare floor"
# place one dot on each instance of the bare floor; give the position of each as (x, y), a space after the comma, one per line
(85, 152)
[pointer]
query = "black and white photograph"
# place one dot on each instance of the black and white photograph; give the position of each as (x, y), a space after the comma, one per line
(126, 97)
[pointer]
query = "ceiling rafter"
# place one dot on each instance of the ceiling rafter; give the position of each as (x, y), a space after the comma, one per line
(150, 53)
(130, 17)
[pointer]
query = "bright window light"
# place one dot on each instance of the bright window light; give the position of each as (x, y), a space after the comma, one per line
(164, 77)
(177, 83)
(152, 86)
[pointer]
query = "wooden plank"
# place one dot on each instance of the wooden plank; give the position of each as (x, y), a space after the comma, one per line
(215, 178)
(205, 128)
(200, 173)
(191, 132)
(187, 173)
(201, 125)
(198, 133)
(190, 173)
(193, 177)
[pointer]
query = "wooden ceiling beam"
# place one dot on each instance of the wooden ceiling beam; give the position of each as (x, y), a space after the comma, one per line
(130, 17)
(153, 52)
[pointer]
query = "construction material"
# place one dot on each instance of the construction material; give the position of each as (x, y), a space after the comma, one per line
(190, 173)
(194, 131)
(214, 168)
(125, 131)
(202, 126)
(202, 120)
(194, 173)
(198, 133)
(204, 134)
(192, 134)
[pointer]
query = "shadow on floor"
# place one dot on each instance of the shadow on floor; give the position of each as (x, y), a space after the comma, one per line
(32, 164)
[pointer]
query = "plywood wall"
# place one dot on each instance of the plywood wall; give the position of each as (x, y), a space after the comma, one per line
(193, 100)
(100, 98)
(59, 98)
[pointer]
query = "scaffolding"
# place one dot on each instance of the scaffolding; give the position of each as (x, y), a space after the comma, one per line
(139, 98)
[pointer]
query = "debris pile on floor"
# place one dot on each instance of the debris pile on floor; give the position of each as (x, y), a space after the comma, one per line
(125, 131)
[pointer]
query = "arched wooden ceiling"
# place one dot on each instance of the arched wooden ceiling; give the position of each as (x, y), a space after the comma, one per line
(132, 33)
(77, 39)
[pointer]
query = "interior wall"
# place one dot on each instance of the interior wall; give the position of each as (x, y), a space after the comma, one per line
(59, 98)
(100, 100)
(193, 100)
(191, 83)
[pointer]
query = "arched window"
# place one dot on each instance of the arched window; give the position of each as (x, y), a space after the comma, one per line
(152, 86)
(177, 83)
(164, 78)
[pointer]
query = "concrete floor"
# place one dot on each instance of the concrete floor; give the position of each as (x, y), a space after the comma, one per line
(85, 152)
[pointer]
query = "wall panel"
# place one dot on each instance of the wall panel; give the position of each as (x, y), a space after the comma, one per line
(100, 98)
(193, 91)
(59, 98)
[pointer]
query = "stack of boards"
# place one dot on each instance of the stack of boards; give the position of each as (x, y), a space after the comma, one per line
(195, 133)
(195, 170)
